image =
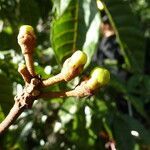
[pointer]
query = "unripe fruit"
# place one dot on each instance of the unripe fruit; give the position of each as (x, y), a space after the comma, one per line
(102, 75)
(99, 78)
(78, 58)
(73, 66)
(26, 40)
(26, 29)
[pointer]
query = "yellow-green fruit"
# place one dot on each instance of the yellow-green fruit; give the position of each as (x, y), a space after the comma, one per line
(101, 75)
(73, 66)
(26, 29)
(99, 78)
(26, 39)
(78, 58)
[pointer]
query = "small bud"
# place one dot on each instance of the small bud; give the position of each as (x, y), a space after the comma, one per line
(26, 29)
(102, 75)
(73, 66)
(99, 78)
(26, 40)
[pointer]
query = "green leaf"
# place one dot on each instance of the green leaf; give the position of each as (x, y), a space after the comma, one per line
(29, 12)
(139, 84)
(70, 30)
(144, 135)
(118, 84)
(146, 86)
(6, 97)
(60, 6)
(92, 38)
(128, 32)
(4, 38)
(137, 103)
(134, 81)
(1, 115)
(68, 109)
(80, 130)
(122, 134)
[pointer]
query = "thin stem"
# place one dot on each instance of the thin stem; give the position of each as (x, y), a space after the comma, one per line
(11, 117)
(58, 94)
(77, 92)
(52, 80)
(25, 74)
(30, 63)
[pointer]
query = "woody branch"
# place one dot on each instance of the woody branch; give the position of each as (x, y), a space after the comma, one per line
(72, 67)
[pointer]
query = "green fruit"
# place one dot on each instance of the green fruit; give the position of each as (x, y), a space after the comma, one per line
(73, 66)
(101, 75)
(26, 29)
(78, 58)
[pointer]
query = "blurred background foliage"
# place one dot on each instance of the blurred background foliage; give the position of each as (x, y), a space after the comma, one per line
(117, 114)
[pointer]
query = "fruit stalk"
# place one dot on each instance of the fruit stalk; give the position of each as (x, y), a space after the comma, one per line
(22, 69)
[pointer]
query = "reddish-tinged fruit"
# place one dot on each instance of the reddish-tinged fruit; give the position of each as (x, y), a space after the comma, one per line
(73, 66)
(78, 58)
(26, 29)
(26, 39)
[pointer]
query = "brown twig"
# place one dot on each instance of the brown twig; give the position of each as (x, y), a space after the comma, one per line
(24, 73)
(11, 117)
(79, 91)
(52, 80)
(33, 84)
(22, 101)
(30, 64)
(32, 92)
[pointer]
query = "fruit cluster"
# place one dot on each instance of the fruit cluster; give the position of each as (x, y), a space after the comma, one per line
(71, 68)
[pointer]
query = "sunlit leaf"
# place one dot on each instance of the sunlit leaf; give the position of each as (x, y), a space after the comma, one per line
(128, 32)
(69, 31)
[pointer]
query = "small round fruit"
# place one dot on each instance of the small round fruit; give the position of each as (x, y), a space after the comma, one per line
(78, 58)
(101, 75)
(26, 29)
